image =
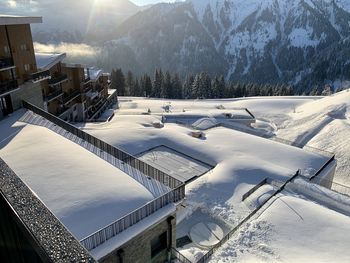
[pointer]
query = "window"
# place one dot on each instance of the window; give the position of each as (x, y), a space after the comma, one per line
(6, 49)
(158, 244)
(24, 47)
(26, 67)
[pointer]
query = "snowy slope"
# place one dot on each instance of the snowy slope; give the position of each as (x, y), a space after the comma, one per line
(324, 124)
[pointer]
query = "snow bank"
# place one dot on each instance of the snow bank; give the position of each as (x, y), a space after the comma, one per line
(322, 195)
(324, 124)
(292, 229)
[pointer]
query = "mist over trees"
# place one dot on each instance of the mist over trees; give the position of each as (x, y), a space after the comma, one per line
(198, 86)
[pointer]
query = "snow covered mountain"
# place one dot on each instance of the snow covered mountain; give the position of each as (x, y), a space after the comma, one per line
(73, 21)
(298, 41)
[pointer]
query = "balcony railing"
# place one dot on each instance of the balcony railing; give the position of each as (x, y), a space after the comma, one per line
(39, 76)
(86, 80)
(70, 96)
(58, 79)
(7, 86)
(53, 95)
(99, 87)
(6, 63)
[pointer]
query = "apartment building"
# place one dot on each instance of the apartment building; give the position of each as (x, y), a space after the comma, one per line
(74, 92)
(62, 92)
(99, 96)
(17, 64)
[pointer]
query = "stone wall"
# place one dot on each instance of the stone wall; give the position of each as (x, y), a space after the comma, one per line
(138, 250)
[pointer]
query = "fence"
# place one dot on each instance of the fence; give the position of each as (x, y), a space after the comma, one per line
(132, 218)
(176, 194)
(176, 254)
(254, 189)
(206, 257)
(322, 168)
(143, 167)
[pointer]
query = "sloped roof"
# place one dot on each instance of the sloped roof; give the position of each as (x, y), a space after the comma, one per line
(45, 61)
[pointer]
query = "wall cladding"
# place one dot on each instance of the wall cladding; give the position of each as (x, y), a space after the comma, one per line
(138, 250)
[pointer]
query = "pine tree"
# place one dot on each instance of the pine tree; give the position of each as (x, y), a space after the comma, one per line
(137, 89)
(148, 85)
(157, 84)
(167, 86)
(118, 81)
(215, 85)
(130, 84)
(177, 87)
(187, 87)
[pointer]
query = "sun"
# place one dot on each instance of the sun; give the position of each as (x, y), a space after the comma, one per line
(12, 3)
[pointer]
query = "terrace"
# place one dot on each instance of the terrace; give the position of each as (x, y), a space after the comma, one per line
(68, 97)
(8, 86)
(53, 94)
(40, 76)
(6, 64)
(57, 79)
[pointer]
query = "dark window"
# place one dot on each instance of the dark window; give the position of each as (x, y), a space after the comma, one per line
(158, 244)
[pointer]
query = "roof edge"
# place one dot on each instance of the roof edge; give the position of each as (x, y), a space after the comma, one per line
(19, 20)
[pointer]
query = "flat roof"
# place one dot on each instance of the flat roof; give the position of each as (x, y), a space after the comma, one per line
(19, 20)
(45, 61)
(83, 191)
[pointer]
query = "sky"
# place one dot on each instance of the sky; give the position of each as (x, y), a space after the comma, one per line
(146, 2)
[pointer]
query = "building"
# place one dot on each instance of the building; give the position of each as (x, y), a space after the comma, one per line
(62, 92)
(115, 216)
(17, 64)
(74, 92)
(99, 96)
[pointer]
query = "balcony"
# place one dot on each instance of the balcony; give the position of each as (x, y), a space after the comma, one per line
(6, 63)
(53, 95)
(58, 79)
(39, 76)
(87, 80)
(99, 87)
(70, 96)
(8, 86)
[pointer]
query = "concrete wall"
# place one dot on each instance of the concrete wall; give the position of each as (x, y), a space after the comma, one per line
(138, 250)
(30, 92)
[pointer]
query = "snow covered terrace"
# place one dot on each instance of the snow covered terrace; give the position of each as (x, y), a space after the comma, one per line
(240, 160)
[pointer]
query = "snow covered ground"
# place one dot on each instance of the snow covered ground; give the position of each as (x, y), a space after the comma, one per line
(324, 124)
(320, 122)
(241, 160)
(292, 228)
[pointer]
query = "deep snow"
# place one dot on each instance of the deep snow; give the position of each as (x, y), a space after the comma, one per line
(85, 192)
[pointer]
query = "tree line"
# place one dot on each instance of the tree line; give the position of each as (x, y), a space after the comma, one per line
(198, 86)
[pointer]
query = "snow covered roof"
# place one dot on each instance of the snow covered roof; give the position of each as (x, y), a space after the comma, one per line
(45, 61)
(94, 73)
(294, 228)
(19, 20)
(84, 192)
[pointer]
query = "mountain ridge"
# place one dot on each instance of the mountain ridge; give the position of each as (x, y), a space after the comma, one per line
(260, 41)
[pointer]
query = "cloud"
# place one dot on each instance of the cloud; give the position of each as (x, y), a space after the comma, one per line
(74, 50)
